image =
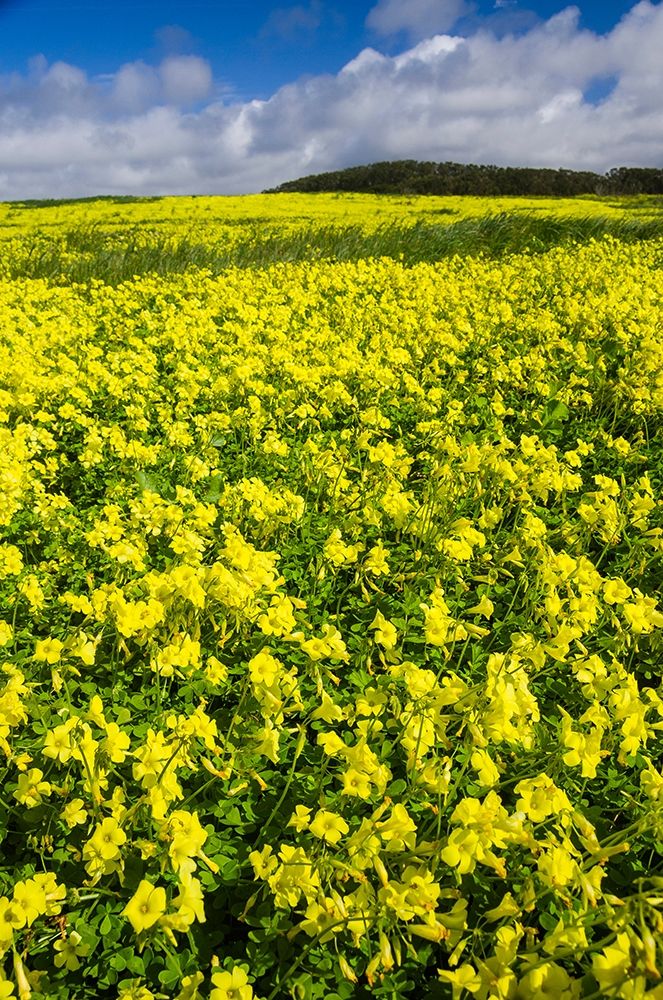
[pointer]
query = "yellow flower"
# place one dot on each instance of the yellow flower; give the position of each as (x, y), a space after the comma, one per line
(616, 591)
(300, 818)
(385, 631)
(581, 750)
(11, 560)
(356, 783)
(231, 985)
(371, 702)
(376, 560)
(116, 744)
(190, 904)
(69, 949)
(485, 767)
(557, 867)
(215, 671)
(12, 917)
(328, 826)
(31, 898)
(57, 743)
(642, 614)
(263, 862)
(278, 618)
(485, 607)
(31, 789)
(48, 650)
(190, 986)
(147, 904)
(107, 839)
(136, 992)
(84, 648)
(463, 978)
(461, 851)
(74, 813)
(264, 668)
(399, 831)
(540, 797)
(612, 968)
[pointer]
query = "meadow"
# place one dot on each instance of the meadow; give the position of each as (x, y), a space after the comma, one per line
(331, 548)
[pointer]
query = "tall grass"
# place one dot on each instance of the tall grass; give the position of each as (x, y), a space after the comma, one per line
(87, 253)
(119, 199)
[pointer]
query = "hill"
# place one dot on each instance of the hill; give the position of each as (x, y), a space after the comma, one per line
(416, 177)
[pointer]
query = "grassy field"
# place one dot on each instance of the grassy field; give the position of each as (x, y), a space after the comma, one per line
(331, 548)
(294, 210)
(114, 240)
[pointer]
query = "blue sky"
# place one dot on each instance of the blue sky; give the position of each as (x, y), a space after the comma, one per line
(253, 46)
(226, 96)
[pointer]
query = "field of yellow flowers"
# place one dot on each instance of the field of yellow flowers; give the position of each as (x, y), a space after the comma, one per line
(330, 630)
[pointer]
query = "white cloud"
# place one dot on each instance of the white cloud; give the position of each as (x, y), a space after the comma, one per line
(516, 99)
(185, 80)
(560, 105)
(418, 18)
(135, 87)
(181, 81)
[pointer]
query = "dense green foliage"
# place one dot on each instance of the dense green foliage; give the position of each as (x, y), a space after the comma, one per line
(415, 177)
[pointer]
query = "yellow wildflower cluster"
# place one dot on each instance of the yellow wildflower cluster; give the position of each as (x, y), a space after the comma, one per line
(330, 621)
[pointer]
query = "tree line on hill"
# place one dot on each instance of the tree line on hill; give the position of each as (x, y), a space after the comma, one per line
(415, 177)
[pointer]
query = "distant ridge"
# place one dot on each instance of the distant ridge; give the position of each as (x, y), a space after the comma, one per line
(416, 177)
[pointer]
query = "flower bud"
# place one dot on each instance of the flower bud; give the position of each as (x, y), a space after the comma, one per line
(382, 873)
(436, 933)
(649, 949)
(24, 990)
(386, 953)
(346, 970)
(372, 967)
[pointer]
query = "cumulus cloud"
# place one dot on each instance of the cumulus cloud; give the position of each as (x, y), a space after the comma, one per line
(185, 79)
(522, 99)
(418, 18)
